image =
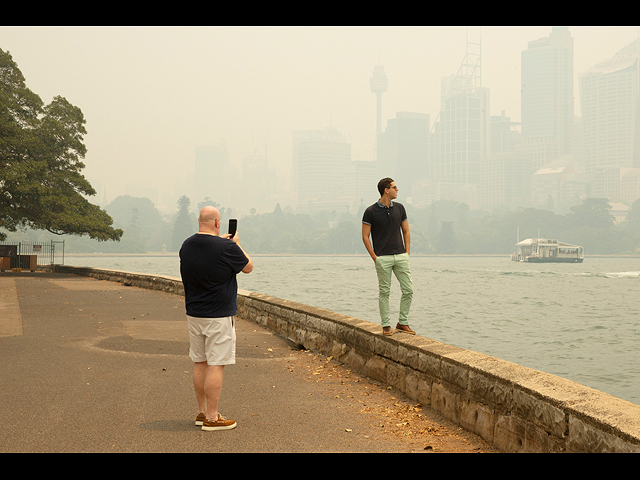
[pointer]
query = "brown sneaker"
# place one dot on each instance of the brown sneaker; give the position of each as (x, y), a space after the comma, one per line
(220, 424)
(405, 329)
(200, 418)
(387, 331)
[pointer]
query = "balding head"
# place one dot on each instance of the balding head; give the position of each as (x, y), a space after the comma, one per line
(209, 220)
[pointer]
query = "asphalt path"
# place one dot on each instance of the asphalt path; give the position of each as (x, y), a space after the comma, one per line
(96, 366)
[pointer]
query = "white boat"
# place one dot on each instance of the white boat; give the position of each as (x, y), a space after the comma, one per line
(544, 250)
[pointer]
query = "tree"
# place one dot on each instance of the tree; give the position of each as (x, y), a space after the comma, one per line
(632, 222)
(594, 213)
(184, 225)
(41, 147)
(446, 240)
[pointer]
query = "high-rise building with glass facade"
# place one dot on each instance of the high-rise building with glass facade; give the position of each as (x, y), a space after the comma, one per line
(610, 104)
(403, 150)
(320, 158)
(547, 103)
(461, 139)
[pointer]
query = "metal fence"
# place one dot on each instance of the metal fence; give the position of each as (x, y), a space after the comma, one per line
(48, 253)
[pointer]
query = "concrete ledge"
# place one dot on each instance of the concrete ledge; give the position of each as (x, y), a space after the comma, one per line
(515, 408)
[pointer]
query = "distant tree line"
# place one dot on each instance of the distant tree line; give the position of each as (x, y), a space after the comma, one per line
(448, 227)
(445, 227)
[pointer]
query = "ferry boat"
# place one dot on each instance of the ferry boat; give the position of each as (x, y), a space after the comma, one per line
(543, 250)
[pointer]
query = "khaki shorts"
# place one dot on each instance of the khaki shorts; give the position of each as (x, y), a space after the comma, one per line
(212, 340)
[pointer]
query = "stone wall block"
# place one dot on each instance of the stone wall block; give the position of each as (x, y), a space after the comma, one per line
(455, 374)
(508, 434)
(424, 390)
(586, 438)
(396, 375)
(429, 364)
(445, 401)
(376, 368)
(478, 418)
(386, 347)
(548, 417)
(489, 390)
(363, 341)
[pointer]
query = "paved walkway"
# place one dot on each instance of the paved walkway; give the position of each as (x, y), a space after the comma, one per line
(95, 366)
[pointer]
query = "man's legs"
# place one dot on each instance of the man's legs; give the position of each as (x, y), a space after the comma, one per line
(207, 381)
(212, 340)
(384, 265)
(402, 272)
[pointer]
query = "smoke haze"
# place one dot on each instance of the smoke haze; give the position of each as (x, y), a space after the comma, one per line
(152, 95)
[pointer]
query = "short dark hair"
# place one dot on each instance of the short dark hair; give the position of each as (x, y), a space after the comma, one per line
(383, 184)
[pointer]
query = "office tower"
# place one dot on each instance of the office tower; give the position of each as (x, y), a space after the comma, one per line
(360, 184)
(212, 175)
(259, 184)
(610, 104)
(460, 140)
(547, 104)
(446, 83)
(379, 85)
(320, 157)
(506, 175)
(618, 184)
(403, 150)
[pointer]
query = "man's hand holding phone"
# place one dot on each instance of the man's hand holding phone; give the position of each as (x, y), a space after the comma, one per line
(233, 230)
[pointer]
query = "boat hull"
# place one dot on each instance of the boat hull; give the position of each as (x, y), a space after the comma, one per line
(553, 260)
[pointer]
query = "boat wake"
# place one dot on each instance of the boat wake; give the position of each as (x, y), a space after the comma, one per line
(622, 274)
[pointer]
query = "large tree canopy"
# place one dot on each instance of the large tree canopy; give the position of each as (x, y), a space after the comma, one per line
(41, 147)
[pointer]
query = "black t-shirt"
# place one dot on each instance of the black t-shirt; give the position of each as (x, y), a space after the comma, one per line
(208, 266)
(386, 233)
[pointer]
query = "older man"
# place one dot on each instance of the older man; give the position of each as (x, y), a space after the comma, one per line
(209, 263)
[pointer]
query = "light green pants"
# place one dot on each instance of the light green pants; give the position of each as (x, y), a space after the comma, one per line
(399, 265)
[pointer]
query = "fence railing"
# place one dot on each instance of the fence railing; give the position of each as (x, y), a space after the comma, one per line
(48, 253)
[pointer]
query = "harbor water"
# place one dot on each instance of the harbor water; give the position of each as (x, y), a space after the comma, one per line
(577, 321)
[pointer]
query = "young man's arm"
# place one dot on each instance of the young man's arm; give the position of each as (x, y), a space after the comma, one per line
(366, 231)
(407, 236)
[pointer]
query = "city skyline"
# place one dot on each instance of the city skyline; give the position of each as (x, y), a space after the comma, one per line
(156, 115)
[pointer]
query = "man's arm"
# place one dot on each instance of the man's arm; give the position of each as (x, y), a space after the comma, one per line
(407, 236)
(366, 231)
(248, 268)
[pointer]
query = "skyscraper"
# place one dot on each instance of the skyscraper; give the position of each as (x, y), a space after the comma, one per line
(320, 158)
(460, 139)
(547, 114)
(403, 150)
(610, 104)
(506, 176)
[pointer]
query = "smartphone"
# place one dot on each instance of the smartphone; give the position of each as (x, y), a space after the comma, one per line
(233, 226)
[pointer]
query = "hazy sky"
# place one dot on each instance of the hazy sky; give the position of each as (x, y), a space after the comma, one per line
(152, 95)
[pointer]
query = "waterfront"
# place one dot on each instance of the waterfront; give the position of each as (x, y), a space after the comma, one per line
(577, 321)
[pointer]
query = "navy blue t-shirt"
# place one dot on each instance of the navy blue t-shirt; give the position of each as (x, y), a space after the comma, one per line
(208, 266)
(386, 231)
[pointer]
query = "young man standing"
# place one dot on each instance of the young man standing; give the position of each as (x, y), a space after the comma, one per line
(209, 264)
(386, 222)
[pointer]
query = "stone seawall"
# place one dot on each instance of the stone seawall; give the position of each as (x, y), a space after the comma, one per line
(517, 409)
